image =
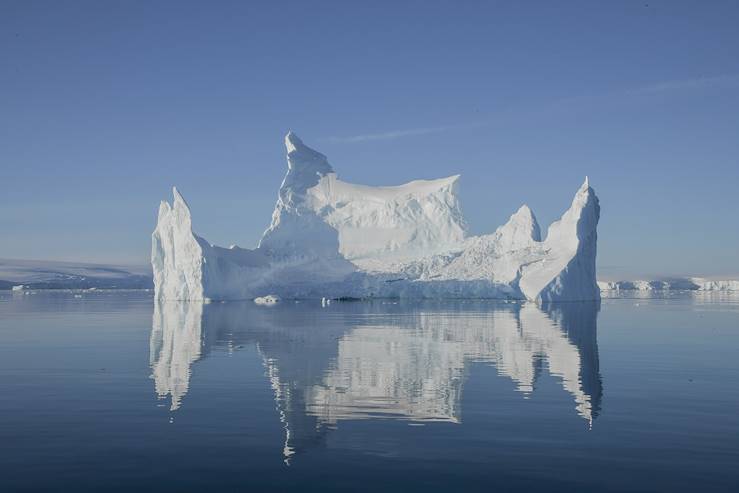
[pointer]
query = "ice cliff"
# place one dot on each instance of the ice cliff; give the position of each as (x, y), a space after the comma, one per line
(336, 239)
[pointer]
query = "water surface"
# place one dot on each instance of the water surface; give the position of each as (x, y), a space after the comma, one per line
(109, 390)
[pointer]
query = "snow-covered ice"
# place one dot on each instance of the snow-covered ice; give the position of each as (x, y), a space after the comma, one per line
(333, 239)
(270, 299)
(671, 284)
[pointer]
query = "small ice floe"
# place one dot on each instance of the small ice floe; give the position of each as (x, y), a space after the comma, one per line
(78, 296)
(270, 299)
(19, 287)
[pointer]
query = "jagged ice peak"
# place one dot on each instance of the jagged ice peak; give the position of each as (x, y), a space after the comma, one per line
(331, 238)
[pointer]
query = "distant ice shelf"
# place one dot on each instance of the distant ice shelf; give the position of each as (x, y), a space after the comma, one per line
(333, 239)
(19, 275)
(673, 284)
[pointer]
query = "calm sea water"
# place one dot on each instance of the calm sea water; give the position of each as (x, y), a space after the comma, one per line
(110, 391)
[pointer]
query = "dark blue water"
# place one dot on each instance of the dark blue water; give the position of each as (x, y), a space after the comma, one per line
(109, 391)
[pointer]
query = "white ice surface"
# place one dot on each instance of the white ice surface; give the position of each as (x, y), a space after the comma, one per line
(318, 213)
(270, 299)
(329, 238)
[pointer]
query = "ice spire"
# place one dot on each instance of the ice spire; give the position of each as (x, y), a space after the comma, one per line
(570, 274)
(520, 231)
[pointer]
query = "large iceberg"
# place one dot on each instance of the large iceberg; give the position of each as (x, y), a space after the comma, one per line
(329, 238)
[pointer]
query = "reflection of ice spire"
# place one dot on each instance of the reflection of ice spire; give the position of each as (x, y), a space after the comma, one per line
(286, 373)
(282, 401)
(578, 321)
(561, 355)
(409, 365)
(415, 370)
(175, 344)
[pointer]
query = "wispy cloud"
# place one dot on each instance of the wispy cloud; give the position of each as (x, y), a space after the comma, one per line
(720, 81)
(666, 87)
(396, 134)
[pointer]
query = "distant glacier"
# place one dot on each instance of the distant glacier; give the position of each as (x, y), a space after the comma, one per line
(671, 284)
(45, 274)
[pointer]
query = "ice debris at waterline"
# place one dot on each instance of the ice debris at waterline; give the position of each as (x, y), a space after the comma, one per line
(333, 239)
(270, 299)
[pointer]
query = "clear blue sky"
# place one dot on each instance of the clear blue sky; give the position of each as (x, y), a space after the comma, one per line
(105, 105)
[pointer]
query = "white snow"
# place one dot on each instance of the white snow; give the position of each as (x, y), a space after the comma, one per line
(316, 212)
(329, 238)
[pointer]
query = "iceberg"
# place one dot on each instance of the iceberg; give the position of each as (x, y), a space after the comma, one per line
(333, 239)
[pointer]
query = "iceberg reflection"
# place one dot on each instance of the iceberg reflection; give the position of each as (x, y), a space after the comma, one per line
(374, 360)
(174, 345)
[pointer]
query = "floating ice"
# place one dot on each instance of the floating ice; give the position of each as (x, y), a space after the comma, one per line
(270, 299)
(333, 239)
